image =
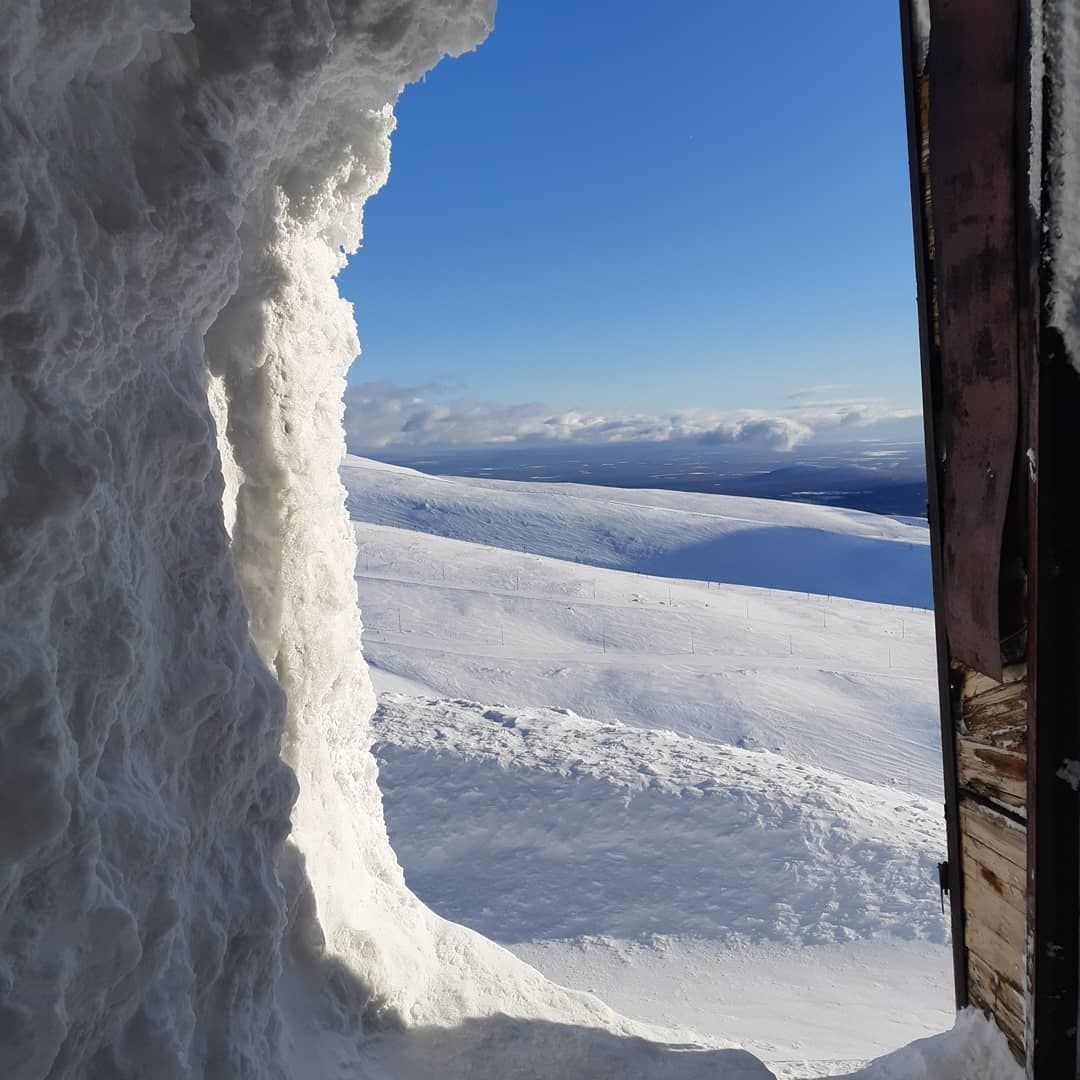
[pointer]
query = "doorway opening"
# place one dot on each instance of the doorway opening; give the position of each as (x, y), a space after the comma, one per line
(656, 654)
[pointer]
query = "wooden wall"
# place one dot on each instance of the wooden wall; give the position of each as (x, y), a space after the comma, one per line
(1001, 397)
(990, 731)
(967, 150)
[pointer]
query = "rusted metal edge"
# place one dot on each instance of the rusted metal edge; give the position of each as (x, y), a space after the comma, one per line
(948, 694)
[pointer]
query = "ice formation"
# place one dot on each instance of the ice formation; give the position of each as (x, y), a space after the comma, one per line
(180, 186)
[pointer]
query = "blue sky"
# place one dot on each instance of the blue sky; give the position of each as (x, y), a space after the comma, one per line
(640, 207)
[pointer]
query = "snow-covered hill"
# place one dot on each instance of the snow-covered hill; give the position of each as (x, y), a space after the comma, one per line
(844, 684)
(750, 807)
(779, 545)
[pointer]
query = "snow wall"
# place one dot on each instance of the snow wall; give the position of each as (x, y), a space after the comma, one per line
(180, 184)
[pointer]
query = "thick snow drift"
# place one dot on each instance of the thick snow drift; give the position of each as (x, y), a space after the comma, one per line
(711, 889)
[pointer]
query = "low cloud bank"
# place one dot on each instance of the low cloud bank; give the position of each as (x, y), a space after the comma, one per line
(380, 415)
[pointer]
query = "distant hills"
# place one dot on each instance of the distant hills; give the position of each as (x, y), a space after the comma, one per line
(880, 477)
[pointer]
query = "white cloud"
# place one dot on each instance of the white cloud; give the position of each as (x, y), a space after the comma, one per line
(382, 414)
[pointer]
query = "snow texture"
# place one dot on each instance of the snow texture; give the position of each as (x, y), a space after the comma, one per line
(616, 850)
(973, 1050)
(637, 833)
(1056, 69)
(846, 685)
(781, 545)
(180, 185)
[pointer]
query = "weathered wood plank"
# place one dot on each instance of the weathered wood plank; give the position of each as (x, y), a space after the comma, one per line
(994, 831)
(1004, 732)
(999, 908)
(997, 985)
(986, 995)
(1001, 956)
(986, 905)
(998, 717)
(1000, 874)
(997, 774)
(1005, 1001)
(1010, 694)
(995, 712)
(976, 684)
(973, 176)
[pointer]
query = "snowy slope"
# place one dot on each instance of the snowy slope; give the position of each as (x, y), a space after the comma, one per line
(738, 844)
(698, 886)
(843, 684)
(538, 823)
(705, 537)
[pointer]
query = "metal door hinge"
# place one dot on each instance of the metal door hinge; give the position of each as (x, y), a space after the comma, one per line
(943, 882)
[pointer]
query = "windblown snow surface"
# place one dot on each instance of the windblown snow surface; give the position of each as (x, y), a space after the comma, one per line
(180, 184)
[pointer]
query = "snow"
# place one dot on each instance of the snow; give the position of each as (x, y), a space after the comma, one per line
(785, 899)
(1070, 773)
(920, 10)
(806, 1011)
(695, 886)
(181, 186)
(840, 552)
(537, 823)
(974, 1048)
(846, 685)
(1056, 59)
(195, 877)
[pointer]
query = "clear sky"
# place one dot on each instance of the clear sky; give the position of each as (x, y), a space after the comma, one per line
(641, 206)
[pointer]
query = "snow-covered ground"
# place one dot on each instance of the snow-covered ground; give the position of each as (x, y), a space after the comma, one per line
(573, 828)
(724, 892)
(844, 684)
(714, 805)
